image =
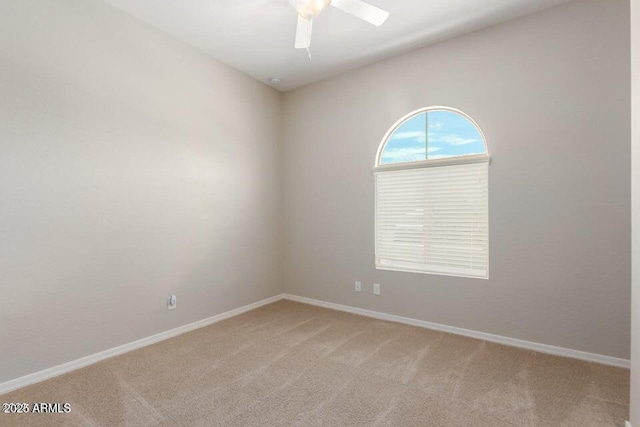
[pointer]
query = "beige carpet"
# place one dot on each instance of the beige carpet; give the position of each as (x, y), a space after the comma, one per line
(290, 364)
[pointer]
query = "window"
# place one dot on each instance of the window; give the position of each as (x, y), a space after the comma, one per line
(432, 195)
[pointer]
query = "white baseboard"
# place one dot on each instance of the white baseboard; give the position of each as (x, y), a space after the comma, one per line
(627, 424)
(542, 348)
(116, 351)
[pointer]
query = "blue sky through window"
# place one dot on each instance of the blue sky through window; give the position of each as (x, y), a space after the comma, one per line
(449, 135)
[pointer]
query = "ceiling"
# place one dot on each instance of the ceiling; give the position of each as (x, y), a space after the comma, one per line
(257, 36)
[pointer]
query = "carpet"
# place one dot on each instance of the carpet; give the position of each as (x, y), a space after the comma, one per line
(291, 364)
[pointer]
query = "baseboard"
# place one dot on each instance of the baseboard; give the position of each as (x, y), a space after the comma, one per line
(627, 424)
(514, 342)
(116, 351)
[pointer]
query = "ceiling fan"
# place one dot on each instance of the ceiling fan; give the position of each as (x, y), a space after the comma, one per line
(308, 10)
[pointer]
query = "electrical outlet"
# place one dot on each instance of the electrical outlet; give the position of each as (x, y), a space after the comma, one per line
(376, 289)
(358, 286)
(172, 302)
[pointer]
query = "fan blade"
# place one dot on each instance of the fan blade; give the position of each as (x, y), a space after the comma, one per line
(365, 11)
(303, 33)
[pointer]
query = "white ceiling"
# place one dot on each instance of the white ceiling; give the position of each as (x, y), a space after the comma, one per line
(257, 36)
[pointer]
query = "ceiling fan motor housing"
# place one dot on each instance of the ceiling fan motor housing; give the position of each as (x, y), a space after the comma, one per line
(309, 9)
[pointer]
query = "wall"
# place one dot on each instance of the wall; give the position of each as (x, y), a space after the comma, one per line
(635, 183)
(551, 93)
(132, 167)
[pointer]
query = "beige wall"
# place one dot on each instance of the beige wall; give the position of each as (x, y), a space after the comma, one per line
(635, 108)
(551, 93)
(131, 167)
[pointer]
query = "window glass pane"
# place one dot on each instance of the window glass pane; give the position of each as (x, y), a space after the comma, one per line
(408, 143)
(452, 135)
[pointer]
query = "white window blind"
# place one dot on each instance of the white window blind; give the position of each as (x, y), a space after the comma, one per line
(433, 220)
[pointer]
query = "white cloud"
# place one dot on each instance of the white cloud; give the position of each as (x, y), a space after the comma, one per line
(451, 139)
(407, 154)
(434, 138)
(417, 135)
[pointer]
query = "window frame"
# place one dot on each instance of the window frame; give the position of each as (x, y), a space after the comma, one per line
(457, 160)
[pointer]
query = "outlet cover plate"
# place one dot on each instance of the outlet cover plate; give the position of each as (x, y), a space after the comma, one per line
(172, 302)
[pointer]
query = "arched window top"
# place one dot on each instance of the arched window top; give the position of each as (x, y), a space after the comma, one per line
(430, 136)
